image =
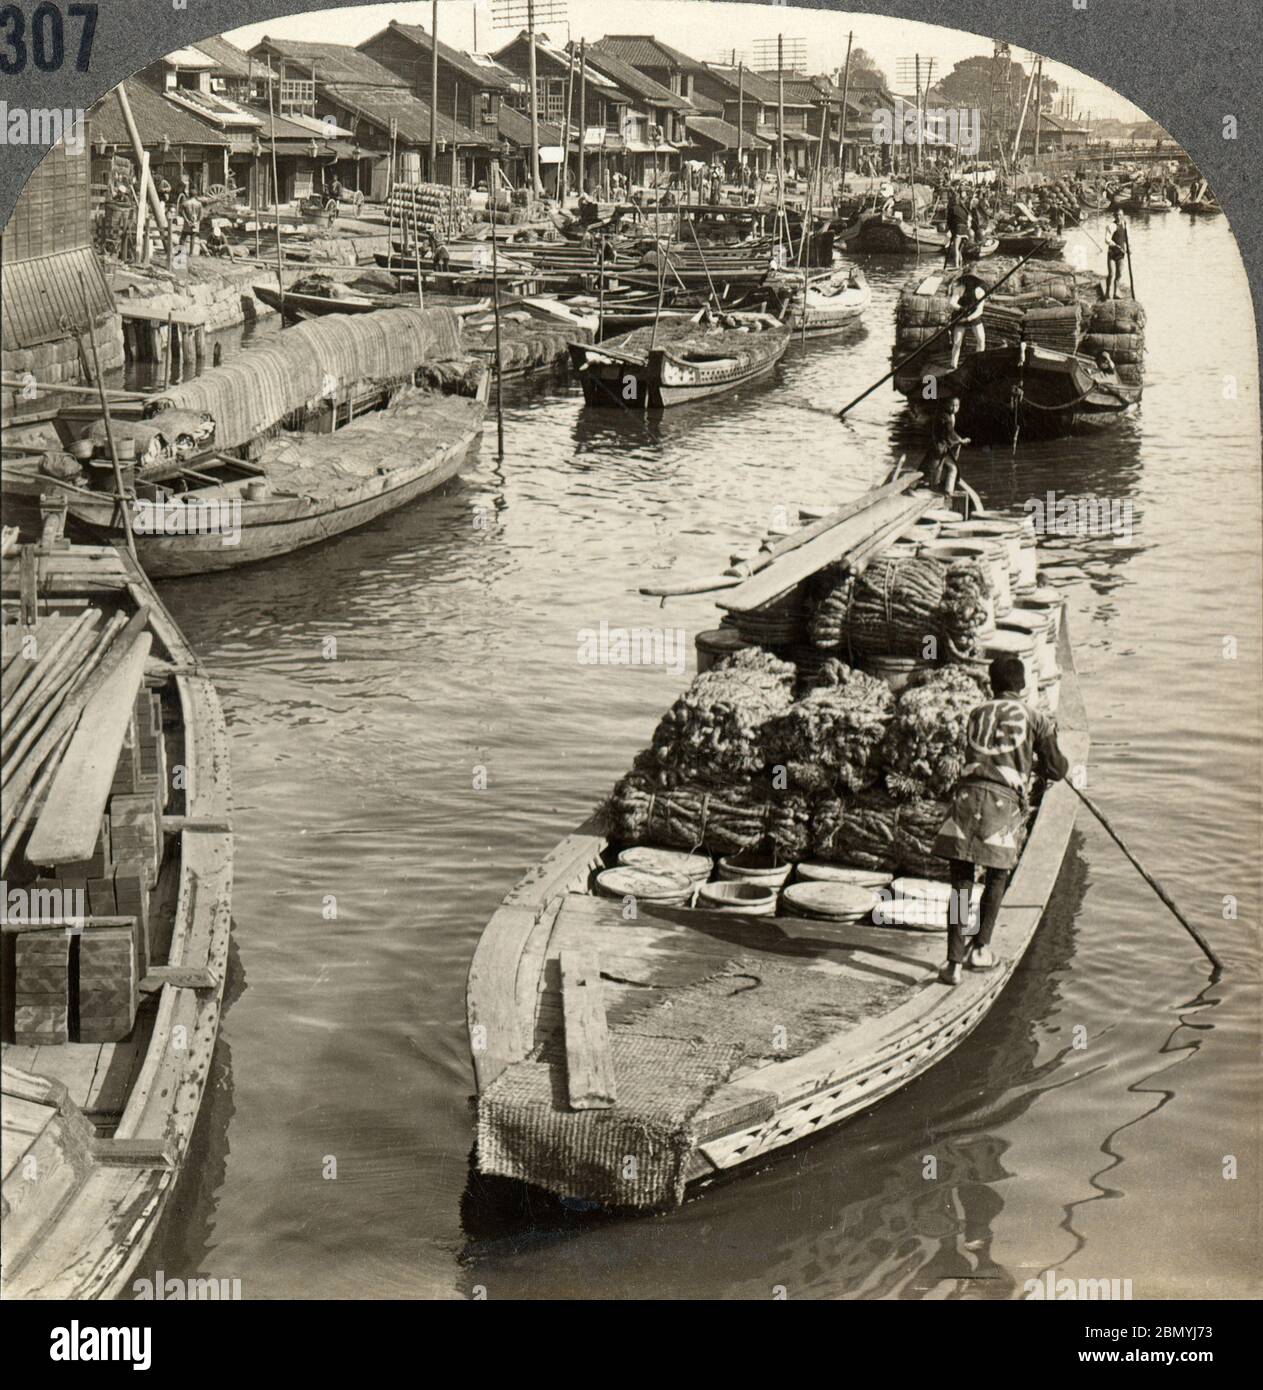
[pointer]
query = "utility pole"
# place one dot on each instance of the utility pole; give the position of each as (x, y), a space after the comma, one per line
(1039, 107)
(780, 112)
(583, 115)
(537, 183)
(918, 110)
(846, 91)
(741, 105)
(434, 95)
(564, 168)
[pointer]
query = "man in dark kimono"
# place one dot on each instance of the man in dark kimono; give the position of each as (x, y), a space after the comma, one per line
(1006, 738)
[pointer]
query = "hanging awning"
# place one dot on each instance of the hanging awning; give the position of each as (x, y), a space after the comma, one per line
(645, 147)
(594, 137)
(550, 154)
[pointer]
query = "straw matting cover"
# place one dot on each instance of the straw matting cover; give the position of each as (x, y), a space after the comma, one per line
(633, 1155)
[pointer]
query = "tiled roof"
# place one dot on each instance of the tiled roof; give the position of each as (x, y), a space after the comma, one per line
(381, 105)
(516, 126)
(226, 56)
(799, 90)
(632, 80)
(156, 119)
(756, 88)
(487, 77)
(332, 62)
(717, 132)
(643, 50)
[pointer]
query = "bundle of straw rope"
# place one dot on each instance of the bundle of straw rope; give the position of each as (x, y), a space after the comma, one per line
(925, 751)
(830, 736)
(876, 831)
(715, 730)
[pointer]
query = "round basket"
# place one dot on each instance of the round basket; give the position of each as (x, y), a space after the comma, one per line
(738, 896)
(753, 866)
(896, 671)
(718, 642)
(674, 863)
(839, 873)
(830, 902)
(625, 882)
(1007, 642)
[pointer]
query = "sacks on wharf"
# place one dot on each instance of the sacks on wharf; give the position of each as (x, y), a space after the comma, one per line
(715, 730)
(924, 751)
(692, 815)
(900, 606)
(876, 831)
(829, 737)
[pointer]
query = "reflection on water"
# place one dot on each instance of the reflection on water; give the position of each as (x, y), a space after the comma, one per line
(1092, 1108)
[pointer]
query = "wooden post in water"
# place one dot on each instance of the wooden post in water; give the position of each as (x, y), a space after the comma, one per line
(276, 195)
(495, 295)
(105, 415)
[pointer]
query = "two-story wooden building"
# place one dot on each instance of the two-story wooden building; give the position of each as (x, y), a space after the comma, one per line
(362, 96)
(470, 89)
(596, 102)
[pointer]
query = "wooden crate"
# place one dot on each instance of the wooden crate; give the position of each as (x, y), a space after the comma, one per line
(41, 988)
(108, 983)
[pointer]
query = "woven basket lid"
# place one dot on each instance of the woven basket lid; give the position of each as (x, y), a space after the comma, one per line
(672, 862)
(1021, 619)
(839, 873)
(623, 882)
(1008, 641)
(834, 902)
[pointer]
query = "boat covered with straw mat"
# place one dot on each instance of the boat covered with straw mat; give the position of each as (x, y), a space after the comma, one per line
(301, 488)
(832, 300)
(627, 1044)
(312, 367)
(677, 361)
(110, 1025)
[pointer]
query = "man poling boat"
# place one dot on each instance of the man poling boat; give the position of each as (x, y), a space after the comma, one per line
(985, 828)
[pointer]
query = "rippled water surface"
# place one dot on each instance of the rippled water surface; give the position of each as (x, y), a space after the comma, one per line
(1087, 1123)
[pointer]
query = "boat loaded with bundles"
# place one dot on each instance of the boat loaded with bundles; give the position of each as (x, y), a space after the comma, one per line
(114, 963)
(741, 948)
(676, 361)
(822, 302)
(325, 429)
(1059, 356)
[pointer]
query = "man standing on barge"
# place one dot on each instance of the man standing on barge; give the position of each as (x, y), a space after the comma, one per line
(1006, 739)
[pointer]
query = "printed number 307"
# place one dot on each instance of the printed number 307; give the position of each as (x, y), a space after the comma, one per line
(44, 43)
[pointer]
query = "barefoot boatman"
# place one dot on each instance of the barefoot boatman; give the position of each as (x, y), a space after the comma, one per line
(1006, 738)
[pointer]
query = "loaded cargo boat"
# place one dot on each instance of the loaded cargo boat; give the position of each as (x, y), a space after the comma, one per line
(114, 971)
(677, 361)
(704, 973)
(294, 442)
(1059, 356)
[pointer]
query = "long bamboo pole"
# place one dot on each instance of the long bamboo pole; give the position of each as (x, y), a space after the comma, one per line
(563, 169)
(495, 295)
(434, 95)
(1148, 877)
(537, 182)
(846, 92)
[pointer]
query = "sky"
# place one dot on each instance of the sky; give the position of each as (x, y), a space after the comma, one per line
(705, 31)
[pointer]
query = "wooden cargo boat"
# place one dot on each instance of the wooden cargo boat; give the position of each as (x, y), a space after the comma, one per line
(1035, 390)
(830, 302)
(570, 998)
(96, 1133)
(678, 362)
(303, 488)
(1042, 245)
(873, 234)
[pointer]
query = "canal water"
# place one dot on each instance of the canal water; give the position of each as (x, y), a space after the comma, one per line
(389, 795)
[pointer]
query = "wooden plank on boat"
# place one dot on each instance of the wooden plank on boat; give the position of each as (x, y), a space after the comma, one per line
(827, 549)
(70, 821)
(589, 1066)
(496, 1037)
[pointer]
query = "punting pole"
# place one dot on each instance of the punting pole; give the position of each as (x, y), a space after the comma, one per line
(495, 297)
(1150, 880)
(416, 246)
(105, 415)
(947, 328)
